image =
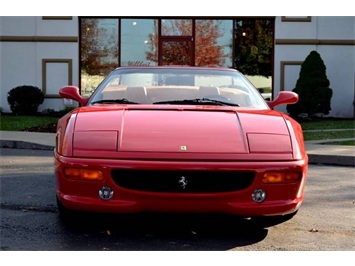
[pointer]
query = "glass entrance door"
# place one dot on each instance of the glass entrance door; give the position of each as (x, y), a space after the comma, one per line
(176, 52)
(176, 42)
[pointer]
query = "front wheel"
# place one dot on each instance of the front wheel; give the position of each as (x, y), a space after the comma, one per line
(64, 212)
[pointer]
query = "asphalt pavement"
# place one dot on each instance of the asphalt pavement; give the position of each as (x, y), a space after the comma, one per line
(319, 152)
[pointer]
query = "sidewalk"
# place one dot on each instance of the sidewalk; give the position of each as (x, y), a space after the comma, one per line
(318, 152)
(27, 140)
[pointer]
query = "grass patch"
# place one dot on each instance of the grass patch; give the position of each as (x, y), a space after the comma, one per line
(322, 135)
(350, 143)
(328, 124)
(20, 123)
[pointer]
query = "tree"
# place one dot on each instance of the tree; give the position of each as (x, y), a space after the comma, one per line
(207, 50)
(312, 87)
(254, 44)
(99, 51)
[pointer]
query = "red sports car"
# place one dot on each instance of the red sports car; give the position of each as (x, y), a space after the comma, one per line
(182, 140)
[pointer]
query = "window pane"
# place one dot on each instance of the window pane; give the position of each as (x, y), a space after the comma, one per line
(139, 42)
(253, 51)
(213, 44)
(176, 27)
(98, 50)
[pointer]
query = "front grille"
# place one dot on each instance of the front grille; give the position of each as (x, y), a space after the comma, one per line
(183, 181)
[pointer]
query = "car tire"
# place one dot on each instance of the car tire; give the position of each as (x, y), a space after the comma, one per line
(65, 213)
(75, 218)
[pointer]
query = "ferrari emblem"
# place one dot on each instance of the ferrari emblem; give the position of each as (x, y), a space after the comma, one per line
(183, 148)
(182, 182)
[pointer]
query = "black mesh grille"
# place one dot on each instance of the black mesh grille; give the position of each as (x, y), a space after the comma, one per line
(183, 181)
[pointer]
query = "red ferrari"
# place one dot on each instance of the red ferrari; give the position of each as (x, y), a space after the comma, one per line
(182, 140)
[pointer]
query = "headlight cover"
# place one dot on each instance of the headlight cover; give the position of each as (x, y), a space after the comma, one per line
(269, 143)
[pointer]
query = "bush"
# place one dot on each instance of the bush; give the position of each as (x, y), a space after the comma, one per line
(66, 110)
(313, 88)
(24, 100)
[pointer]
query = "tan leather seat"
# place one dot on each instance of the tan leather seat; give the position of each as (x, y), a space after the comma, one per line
(208, 91)
(136, 94)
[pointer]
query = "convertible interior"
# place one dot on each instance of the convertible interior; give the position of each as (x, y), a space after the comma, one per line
(153, 94)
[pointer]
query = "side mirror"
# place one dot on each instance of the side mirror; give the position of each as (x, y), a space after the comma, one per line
(284, 97)
(72, 92)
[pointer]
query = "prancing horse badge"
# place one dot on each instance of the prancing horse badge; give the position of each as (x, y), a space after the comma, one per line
(182, 182)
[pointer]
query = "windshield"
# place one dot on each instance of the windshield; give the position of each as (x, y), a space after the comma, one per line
(184, 85)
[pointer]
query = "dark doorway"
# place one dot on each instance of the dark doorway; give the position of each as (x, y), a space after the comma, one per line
(175, 51)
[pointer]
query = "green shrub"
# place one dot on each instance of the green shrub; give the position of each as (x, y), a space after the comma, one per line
(66, 110)
(24, 100)
(313, 88)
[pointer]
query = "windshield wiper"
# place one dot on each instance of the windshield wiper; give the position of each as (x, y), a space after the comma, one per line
(199, 101)
(123, 100)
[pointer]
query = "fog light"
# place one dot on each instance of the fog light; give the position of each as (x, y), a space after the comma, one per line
(105, 193)
(259, 195)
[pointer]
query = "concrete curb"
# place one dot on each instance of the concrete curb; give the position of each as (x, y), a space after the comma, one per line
(331, 160)
(15, 144)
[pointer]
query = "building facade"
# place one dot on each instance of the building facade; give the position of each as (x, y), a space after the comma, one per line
(50, 52)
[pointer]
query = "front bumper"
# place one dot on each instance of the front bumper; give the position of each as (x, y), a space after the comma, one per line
(84, 195)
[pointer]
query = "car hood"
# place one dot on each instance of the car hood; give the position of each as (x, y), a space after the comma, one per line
(183, 130)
